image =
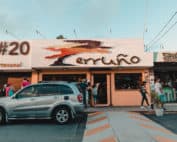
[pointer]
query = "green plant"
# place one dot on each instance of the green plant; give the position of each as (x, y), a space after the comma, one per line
(155, 99)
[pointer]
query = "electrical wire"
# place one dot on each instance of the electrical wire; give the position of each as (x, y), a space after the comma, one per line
(172, 26)
(145, 19)
(154, 39)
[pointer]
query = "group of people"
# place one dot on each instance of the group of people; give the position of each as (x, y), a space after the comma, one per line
(91, 90)
(8, 89)
(157, 88)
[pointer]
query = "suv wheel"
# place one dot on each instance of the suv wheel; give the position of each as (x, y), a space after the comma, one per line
(2, 116)
(62, 115)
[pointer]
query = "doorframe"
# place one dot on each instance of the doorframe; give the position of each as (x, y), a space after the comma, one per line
(108, 82)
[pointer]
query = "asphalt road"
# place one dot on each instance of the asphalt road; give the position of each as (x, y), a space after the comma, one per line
(43, 131)
(168, 120)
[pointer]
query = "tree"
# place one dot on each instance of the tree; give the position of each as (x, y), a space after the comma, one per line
(60, 37)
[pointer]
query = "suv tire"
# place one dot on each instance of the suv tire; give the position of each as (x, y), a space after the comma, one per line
(2, 116)
(62, 115)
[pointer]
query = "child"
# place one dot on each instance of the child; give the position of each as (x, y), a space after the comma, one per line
(95, 92)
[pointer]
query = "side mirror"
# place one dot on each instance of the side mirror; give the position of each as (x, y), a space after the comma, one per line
(13, 97)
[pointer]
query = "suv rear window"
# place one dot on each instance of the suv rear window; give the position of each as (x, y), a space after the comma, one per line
(64, 90)
(79, 87)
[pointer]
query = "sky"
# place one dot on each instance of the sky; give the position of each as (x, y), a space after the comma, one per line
(89, 19)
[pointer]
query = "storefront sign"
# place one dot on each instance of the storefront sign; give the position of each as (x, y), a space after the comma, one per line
(14, 48)
(11, 65)
(170, 57)
(165, 56)
(120, 58)
(92, 53)
(79, 53)
(15, 55)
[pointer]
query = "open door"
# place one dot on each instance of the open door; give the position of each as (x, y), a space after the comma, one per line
(103, 97)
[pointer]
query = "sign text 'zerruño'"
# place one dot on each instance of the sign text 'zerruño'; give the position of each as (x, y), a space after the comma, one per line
(119, 60)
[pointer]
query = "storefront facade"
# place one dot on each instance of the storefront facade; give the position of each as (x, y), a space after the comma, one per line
(165, 68)
(118, 65)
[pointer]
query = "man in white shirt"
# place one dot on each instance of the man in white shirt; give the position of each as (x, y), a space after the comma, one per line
(158, 87)
(159, 91)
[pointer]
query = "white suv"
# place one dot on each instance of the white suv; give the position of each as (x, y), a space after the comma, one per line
(60, 101)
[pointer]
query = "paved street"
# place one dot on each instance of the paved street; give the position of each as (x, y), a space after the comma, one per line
(169, 120)
(125, 126)
(43, 131)
(112, 126)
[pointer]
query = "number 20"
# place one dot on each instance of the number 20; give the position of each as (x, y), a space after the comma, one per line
(23, 47)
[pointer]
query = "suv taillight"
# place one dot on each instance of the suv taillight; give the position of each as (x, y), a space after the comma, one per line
(79, 98)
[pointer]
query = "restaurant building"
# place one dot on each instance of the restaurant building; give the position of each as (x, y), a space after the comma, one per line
(118, 65)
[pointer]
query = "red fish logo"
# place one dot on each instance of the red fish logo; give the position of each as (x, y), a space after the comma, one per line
(75, 47)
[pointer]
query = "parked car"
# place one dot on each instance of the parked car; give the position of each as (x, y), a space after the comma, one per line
(60, 101)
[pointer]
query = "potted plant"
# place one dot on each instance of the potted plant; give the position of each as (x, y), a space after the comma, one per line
(157, 104)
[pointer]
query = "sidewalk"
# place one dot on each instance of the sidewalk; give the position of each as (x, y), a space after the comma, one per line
(124, 126)
(127, 109)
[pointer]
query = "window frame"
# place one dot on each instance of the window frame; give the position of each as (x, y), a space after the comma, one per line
(48, 94)
(139, 76)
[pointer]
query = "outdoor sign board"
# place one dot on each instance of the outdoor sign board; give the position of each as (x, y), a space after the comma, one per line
(165, 56)
(15, 55)
(74, 53)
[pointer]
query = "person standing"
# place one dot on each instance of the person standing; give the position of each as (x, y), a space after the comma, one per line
(158, 87)
(9, 90)
(89, 90)
(83, 85)
(25, 83)
(3, 91)
(143, 94)
(159, 91)
(95, 93)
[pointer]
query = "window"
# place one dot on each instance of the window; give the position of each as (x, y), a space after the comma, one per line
(65, 90)
(127, 80)
(48, 90)
(79, 87)
(27, 92)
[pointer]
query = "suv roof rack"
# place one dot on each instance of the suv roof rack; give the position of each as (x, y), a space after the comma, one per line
(53, 81)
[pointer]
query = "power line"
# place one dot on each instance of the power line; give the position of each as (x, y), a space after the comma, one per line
(151, 42)
(145, 18)
(172, 26)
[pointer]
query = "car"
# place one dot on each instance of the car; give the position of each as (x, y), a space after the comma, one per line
(59, 100)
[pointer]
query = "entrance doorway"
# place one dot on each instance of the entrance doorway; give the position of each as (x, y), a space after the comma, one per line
(101, 79)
